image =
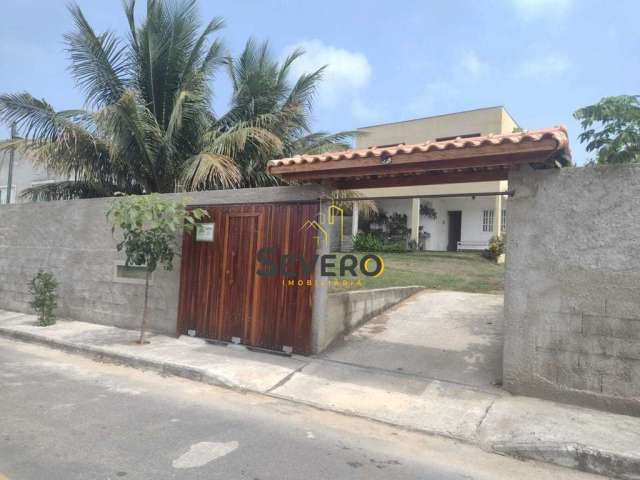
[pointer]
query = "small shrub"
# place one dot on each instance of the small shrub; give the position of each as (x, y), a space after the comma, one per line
(366, 242)
(43, 289)
(496, 248)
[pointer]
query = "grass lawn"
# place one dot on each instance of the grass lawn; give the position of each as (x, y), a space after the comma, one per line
(467, 272)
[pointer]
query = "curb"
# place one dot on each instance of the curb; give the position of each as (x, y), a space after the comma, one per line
(569, 455)
(102, 355)
(575, 456)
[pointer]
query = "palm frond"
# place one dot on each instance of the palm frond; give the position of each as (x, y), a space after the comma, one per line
(210, 170)
(68, 190)
(37, 119)
(136, 138)
(285, 67)
(98, 62)
(213, 57)
(129, 11)
(64, 141)
(345, 199)
(321, 142)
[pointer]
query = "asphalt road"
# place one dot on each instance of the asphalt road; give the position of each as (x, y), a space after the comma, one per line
(66, 417)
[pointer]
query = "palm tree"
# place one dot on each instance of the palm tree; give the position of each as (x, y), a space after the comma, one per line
(148, 123)
(277, 111)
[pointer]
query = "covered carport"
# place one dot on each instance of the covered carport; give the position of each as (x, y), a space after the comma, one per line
(469, 161)
(460, 160)
(448, 172)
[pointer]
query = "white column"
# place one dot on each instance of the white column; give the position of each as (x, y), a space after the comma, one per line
(415, 219)
(354, 220)
(497, 216)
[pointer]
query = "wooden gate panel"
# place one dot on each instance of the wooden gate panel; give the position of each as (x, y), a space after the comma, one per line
(238, 272)
(221, 296)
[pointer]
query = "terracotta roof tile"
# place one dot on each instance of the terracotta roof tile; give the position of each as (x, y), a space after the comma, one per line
(558, 133)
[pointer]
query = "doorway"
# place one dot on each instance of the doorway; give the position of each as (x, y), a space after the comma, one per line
(455, 230)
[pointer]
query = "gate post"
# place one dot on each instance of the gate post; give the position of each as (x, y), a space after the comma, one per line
(571, 306)
(319, 338)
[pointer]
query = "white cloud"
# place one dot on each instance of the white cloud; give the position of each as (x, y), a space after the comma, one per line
(365, 113)
(346, 74)
(545, 66)
(530, 9)
(472, 65)
(437, 94)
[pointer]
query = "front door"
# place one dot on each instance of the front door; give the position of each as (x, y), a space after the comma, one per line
(455, 230)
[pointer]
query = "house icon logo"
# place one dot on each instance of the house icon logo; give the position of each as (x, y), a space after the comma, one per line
(331, 266)
(333, 216)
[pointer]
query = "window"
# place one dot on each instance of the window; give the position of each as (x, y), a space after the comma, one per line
(134, 274)
(487, 220)
(503, 221)
(453, 137)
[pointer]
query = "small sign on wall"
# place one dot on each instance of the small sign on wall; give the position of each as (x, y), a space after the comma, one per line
(204, 232)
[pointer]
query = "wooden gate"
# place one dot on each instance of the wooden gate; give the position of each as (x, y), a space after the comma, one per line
(221, 295)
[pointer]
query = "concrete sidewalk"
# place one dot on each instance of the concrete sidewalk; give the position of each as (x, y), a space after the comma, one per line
(585, 439)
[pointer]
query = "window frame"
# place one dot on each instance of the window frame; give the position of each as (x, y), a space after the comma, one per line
(503, 220)
(118, 278)
(488, 218)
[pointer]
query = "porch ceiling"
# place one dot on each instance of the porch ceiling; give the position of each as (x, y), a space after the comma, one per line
(477, 159)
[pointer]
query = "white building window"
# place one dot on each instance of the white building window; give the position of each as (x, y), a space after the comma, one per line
(487, 220)
(503, 221)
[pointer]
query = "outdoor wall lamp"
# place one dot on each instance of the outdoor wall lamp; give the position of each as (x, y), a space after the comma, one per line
(385, 159)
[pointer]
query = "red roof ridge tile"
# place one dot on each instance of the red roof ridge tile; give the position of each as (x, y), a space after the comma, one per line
(558, 133)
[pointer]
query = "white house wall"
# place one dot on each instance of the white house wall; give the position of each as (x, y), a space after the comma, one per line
(25, 175)
(472, 213)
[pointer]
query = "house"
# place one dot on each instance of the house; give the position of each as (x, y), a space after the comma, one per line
(464, 216)
(25, 174)
(467, 215)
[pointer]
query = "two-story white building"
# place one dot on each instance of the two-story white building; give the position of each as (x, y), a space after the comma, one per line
(467, 214)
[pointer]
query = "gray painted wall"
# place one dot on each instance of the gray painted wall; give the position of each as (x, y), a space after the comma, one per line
(73, 240)
(572, 293)
(346, 311)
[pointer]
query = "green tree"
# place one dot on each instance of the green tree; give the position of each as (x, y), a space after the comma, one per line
(148, 123)
(150, 228)
(611, 129)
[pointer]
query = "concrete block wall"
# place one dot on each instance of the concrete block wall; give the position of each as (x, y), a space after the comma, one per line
(572, 292)
(346, 311)
(73, 240)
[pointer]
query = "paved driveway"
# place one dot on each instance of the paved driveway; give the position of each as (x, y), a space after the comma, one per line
(452, 336)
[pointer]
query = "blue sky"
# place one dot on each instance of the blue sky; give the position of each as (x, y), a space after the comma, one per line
(388, 60)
